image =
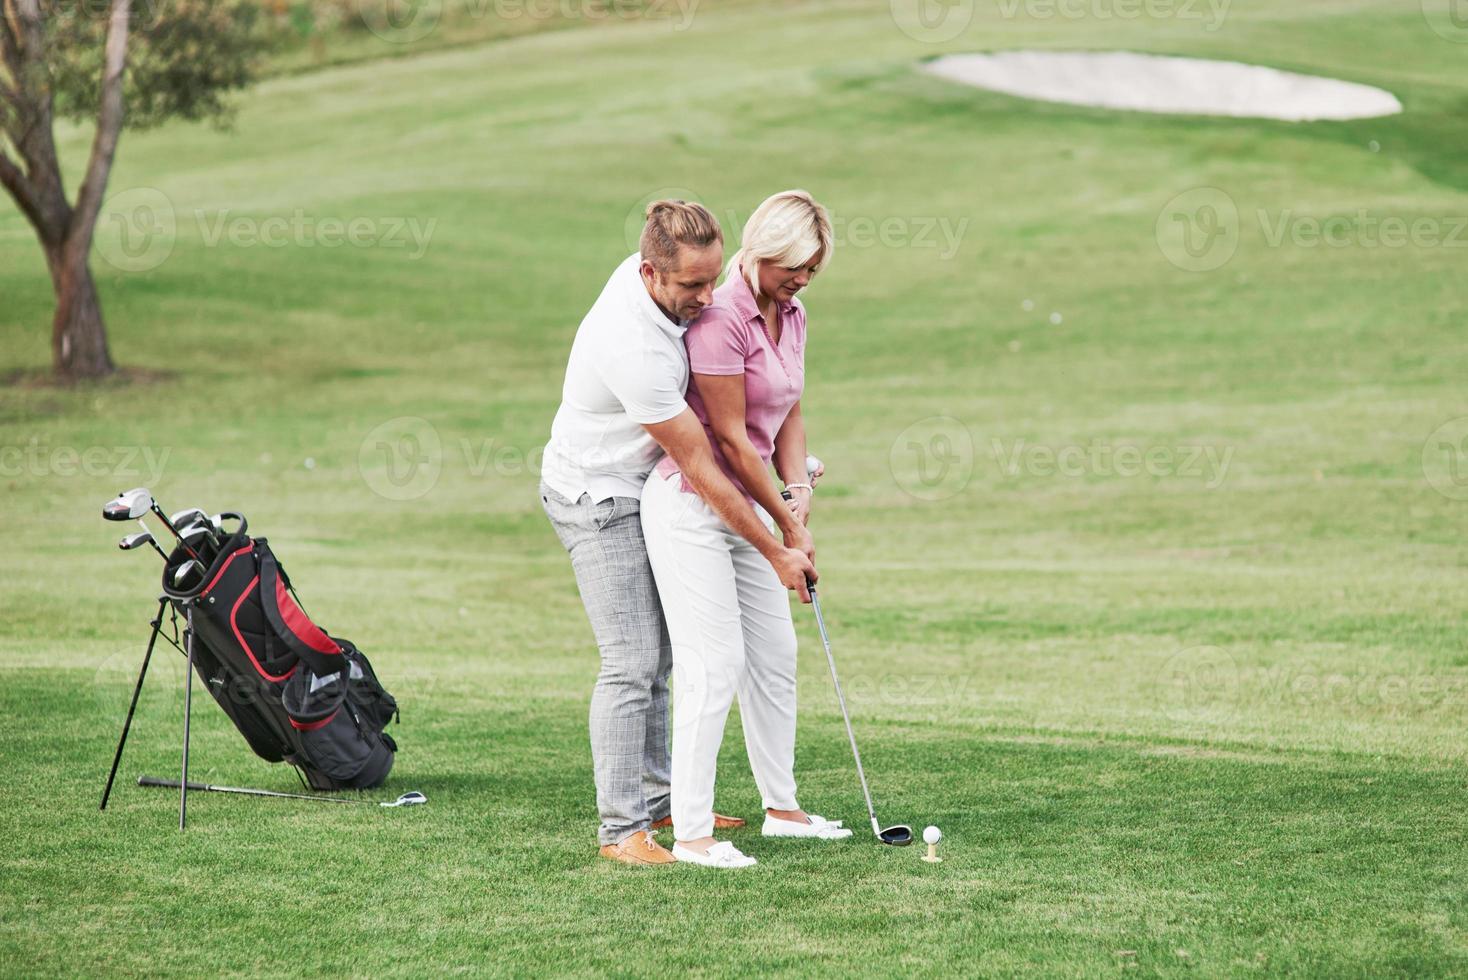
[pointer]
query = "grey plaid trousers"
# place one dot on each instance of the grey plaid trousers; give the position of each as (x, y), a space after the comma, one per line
(629, 705)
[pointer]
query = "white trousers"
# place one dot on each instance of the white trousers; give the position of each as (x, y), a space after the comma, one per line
(729, 621)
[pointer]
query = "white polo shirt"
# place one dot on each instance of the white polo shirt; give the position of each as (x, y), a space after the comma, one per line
(628, 368)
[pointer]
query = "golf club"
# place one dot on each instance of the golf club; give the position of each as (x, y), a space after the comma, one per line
(133, 504)
(126, 508)
(138, 540)
(195, 516)
(198, 537)
(413, 798)
(898, 835)
(190, 567)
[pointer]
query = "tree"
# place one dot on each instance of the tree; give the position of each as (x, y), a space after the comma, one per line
(122, 63)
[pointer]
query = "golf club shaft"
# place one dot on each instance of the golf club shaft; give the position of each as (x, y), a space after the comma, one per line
(210, 788)
(158, 513)
(845, 715)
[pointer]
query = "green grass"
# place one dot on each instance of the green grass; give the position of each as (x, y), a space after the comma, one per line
(1170, 724)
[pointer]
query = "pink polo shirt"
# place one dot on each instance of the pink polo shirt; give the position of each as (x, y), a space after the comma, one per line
(729, 337)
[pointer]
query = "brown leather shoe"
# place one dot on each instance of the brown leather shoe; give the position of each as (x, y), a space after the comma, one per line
(721, 822)
(639, 849)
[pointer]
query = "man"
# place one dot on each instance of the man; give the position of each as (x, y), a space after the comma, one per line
(621, 408)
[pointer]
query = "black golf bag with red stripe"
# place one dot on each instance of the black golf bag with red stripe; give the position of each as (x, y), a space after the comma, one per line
(296, 693)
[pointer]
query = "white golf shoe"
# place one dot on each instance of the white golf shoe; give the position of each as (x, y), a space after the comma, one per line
(819, 827)
(720, 855)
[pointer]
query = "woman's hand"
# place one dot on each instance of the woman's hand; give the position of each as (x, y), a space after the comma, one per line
(799, 504)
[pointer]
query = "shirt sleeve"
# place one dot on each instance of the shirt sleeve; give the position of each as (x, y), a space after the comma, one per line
(718, 343)
(648, 386)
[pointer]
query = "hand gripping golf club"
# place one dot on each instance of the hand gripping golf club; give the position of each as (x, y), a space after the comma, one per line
(413, 798)
(899, 835)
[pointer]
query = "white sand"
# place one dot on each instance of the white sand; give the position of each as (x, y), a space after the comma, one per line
(1152, 83)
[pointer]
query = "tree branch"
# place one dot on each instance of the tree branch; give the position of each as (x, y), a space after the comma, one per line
(27, 15)
(104, 143)
(9, 41)
(14, 181)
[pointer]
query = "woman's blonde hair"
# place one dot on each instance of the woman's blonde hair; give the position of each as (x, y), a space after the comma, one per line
(790, 229)
(673, 224)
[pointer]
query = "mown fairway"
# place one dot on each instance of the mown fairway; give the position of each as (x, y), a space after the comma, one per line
(1204, 719)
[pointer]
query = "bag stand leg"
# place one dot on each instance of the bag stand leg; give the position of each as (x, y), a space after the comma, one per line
(157, 625)
(183, 786)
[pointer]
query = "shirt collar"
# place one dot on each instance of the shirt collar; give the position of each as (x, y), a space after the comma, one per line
(642, 300)
(743, 297)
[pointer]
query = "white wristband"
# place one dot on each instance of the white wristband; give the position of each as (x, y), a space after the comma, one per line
(800, 486)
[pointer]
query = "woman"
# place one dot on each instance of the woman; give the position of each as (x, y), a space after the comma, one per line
(728, 615)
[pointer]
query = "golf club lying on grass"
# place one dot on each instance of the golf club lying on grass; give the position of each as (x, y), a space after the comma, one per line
(413, 798)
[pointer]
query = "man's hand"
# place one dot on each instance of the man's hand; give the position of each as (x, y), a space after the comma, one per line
(796, 571)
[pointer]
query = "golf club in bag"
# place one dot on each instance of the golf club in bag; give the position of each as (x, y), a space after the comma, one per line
(297, 694)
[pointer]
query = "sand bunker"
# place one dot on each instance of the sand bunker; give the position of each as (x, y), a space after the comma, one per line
(1152, 83)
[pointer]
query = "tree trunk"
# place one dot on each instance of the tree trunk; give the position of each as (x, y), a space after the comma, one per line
(78, 335)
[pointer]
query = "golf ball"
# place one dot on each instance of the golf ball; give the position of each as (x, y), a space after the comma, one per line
(932, 835)
(812, 464)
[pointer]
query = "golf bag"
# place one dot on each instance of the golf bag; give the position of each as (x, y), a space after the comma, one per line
(296, 693)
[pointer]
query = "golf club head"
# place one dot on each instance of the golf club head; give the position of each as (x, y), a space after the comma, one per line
(898, 836)
(187, 516)
(130, 505)
(188, 568)
(411, 798)
(135, 541)
(195, 535)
